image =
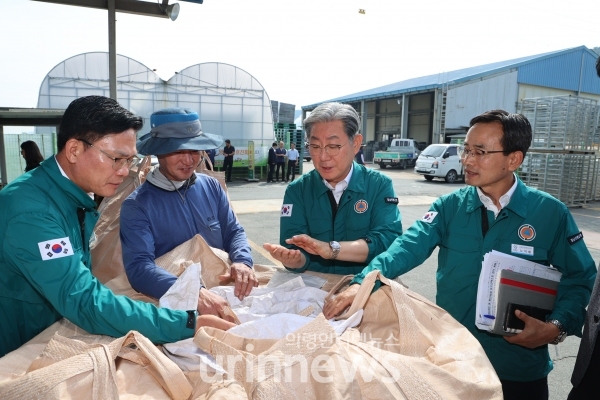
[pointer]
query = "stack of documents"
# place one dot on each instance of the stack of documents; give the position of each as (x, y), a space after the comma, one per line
(507, 279)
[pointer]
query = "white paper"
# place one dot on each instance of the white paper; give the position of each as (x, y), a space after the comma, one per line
(282, 276)
(267, 313)
(183, 295)
(278, 326)
(487, 289)
(291, 297)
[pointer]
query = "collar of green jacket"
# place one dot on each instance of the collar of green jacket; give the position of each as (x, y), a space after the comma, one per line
(517, 204)
(356, 184)
(81, 198)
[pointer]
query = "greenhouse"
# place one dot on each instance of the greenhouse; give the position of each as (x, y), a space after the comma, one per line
(229, 101)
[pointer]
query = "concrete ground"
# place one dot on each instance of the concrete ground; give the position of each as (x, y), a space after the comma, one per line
(258, 205)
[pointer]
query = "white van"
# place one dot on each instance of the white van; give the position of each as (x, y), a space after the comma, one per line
(440, 161)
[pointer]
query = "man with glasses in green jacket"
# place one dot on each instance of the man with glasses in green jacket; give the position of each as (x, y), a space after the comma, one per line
(47, 219)
(339, 216)
(496, 212)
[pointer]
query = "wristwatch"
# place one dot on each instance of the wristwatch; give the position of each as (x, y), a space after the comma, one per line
(191, 319)
(335, 249)
(562, 334)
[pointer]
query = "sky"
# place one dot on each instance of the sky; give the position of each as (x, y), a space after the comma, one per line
(302, 52)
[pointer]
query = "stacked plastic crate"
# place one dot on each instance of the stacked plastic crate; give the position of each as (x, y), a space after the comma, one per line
(562, 160)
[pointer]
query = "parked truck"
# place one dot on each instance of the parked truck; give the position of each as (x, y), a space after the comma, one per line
(401, 153)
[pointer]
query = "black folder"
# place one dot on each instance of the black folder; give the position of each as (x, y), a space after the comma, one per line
(533, 295)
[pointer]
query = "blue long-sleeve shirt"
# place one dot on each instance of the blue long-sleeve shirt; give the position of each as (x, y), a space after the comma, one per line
(155, 221)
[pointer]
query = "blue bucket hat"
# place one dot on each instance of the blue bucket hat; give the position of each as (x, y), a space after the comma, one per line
(174, 129)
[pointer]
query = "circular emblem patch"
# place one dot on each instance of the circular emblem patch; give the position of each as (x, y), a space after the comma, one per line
(56, 248)
(361, 206)
(526, 232)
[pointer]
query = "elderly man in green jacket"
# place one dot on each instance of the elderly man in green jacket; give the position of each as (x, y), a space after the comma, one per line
(339, 216)
(496, 212)
(46, 222)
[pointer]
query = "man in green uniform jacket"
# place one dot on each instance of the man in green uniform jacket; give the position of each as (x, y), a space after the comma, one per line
(339, 216)
(497, 212)
(46, 223)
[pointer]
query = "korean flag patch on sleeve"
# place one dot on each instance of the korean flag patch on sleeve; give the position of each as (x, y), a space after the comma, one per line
(286, 210)
(429, 217)
(55, 248)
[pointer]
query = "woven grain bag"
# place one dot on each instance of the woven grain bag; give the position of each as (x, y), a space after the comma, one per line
(313, 363)
(214, 262)
(431, 357)
(130, 367)
(444, 352)
(203, 169)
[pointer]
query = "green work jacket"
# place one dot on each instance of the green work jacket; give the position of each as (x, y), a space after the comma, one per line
(368, 209)
(533, 219)
(45, 267)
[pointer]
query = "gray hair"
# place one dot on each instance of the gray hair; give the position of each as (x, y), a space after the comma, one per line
(329, 112)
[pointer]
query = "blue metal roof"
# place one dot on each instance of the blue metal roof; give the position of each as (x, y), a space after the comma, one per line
(559, 69)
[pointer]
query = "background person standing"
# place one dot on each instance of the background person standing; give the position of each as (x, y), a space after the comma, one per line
(280, 153)
(228, 151)
(272, 161)
(292, 162)
(211, 156)
(360, 157)
(31, 153)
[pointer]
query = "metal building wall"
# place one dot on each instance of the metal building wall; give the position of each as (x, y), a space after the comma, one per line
(570, 71)
(466, 101)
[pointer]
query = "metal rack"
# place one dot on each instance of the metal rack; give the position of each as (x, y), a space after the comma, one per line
(563, 159)
(570, 177)
(562, 122)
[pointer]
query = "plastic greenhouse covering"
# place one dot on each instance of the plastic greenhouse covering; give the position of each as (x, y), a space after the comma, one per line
(229, 101)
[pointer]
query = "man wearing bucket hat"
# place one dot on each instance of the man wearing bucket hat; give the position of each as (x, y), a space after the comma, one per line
(175, 204)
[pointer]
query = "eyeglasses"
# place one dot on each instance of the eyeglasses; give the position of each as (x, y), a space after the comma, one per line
(331, 149)
(118, 163)
(475, 153)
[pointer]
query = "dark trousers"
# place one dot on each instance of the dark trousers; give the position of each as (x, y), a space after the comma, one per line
(588, 387)
(228, 166)
(282, 166)
(271, 170)
(291, 169)
(532, 390)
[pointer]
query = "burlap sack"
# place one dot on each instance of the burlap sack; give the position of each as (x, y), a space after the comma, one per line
(432, 356)
(218, 175)
(99, 367)
(214, 263)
